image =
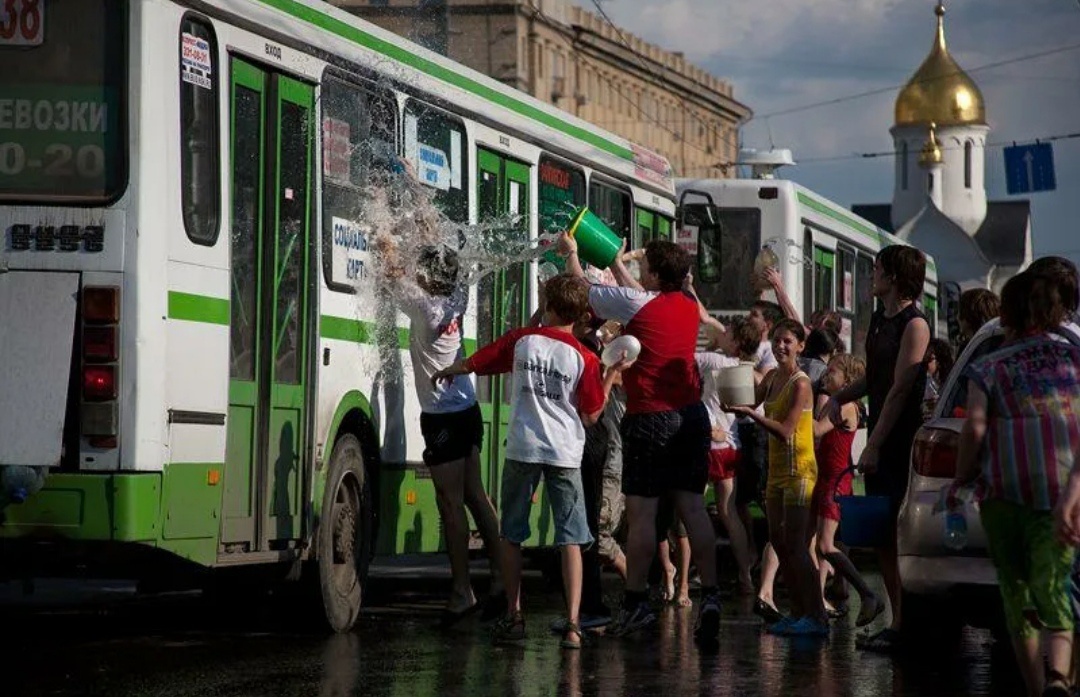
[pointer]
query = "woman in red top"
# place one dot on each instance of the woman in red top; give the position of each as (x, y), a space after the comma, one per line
(833, 453)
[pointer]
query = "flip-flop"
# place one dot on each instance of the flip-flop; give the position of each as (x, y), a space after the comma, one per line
(767, 612)
(449, 618)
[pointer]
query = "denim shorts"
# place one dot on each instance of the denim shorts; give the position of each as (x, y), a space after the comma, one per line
(564, 493)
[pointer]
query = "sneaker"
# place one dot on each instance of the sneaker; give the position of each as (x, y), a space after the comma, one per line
(807, 626)
(630, 621)
(561, 625)
(708, 619)
(509, 630)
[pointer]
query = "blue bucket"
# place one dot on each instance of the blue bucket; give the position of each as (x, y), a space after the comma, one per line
(865, 521)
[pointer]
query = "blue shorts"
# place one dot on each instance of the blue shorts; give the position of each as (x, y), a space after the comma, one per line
(564, 492)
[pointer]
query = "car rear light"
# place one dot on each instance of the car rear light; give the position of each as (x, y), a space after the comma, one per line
(99, 383)
(101, 304)
(99, 344)
(934, 453)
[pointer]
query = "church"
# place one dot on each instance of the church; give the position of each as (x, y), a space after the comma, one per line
(939, 197)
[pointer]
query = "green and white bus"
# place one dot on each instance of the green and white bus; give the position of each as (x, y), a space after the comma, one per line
(188, 340)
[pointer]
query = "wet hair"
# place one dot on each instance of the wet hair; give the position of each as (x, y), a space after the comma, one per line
(566, 298)
(1031, 304)
(907, 268)
(977, 307)
(789, 325)
(943, 352)
(747, 338)
(772, 312)
(1062, 272)
(440, 266)
(826, 319)
(822, 342)
(853, 367)
(670, 263)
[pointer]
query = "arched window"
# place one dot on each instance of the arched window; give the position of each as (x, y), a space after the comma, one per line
(903, 165)
(930, 182)
(967, 164)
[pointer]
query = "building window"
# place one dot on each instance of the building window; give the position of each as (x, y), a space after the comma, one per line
(903, 165)
(200, 171)
(930, 182)
(967, 165)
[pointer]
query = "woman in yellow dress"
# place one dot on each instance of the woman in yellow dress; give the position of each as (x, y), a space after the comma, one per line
(789, 419)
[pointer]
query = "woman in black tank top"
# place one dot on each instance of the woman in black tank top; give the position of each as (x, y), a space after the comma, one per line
(894, 383)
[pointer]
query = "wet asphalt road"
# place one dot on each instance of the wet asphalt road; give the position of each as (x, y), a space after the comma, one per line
(184, 646)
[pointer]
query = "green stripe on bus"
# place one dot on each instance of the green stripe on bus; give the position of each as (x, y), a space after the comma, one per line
(872, 233)
(402, 55)
(198, 308)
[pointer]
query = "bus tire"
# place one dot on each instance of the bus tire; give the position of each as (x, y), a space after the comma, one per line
(344, 535)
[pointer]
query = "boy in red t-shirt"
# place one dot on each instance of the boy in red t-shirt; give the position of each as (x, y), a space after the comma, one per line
(557, 391)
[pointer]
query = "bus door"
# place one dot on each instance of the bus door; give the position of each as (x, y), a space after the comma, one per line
(503, 301)
(272, 138)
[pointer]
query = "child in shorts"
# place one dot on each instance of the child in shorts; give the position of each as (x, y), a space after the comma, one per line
(557, 391)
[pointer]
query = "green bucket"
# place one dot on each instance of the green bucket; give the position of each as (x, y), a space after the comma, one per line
(597, 244)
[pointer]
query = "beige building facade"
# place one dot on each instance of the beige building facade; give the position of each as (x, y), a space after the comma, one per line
(573, 59)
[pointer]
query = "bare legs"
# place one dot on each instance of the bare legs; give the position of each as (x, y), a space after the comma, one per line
(1029, 656)
(788, 533)
(457, 485)
(725, 503)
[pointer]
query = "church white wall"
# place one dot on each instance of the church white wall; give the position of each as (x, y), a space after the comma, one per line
(964, 206)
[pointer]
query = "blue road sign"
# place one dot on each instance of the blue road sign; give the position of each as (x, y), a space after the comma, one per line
(1029, 168)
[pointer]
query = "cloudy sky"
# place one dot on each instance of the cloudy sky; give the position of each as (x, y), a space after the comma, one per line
(781, 54)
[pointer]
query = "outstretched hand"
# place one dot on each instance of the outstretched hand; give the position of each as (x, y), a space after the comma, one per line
(442, 376)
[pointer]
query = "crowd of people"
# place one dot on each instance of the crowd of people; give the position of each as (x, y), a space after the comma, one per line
(636, 443)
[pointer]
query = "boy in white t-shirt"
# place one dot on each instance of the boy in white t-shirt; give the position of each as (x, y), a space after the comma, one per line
(557, 390)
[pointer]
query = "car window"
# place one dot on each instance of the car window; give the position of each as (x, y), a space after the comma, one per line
(957, 398)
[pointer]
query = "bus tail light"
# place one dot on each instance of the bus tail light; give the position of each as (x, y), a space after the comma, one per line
(99, 383)
(101, 304)
(100, 410)
(934, 453)
(99, 344)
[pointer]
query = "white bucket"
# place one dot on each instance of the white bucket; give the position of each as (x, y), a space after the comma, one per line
(736, 385)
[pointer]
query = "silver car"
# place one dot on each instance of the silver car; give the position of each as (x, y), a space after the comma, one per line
(944, 587)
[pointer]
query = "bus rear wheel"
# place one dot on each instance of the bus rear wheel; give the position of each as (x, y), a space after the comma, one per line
(344, 537)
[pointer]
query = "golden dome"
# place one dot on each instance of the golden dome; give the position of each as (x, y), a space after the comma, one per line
(931, 150)
(940, 91)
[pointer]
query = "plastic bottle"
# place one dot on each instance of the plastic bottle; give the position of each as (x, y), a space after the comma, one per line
(19, 482)
(956, 528)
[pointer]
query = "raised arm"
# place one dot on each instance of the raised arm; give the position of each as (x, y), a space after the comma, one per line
(567, 247)
(703, 312)
(776, 282)
(619, 270)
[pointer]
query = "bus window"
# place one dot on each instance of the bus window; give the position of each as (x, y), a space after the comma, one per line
(824, 260)
(864, 301)
(845, 300)
(200, 172)
(726, 251)
(929, 308)
(663, 227)
(69, 69)
(612, 206)
(646, 228)
(435, 144)
(359, 135)
(808, 278)
(562, 191)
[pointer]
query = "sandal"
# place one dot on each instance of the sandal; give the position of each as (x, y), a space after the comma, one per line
(885, 641)
(1057, 685)
(870, 611)
(572, 629)
(837, 612)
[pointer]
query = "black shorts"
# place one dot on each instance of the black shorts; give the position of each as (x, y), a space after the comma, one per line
(753, 466)
(666, 451)
(451, 436)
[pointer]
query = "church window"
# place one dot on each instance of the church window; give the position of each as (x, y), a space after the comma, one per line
(967, 165)
(903, 165)
(930, 183)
